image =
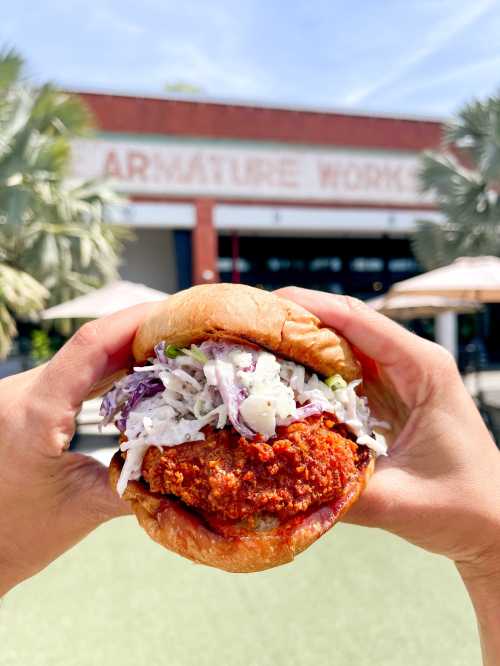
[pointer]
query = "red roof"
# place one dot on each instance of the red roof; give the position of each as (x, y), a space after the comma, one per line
(140, 115)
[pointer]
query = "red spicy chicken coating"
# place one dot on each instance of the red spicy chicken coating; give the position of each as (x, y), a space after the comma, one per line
(229, 479)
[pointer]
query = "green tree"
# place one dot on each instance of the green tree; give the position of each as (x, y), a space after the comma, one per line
(20, 295)
(183, 88)
(465, 177)
(54, 239)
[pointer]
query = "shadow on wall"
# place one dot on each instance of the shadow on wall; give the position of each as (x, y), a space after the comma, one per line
(151, 259)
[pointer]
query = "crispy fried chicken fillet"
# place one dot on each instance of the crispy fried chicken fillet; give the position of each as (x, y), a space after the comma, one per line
(233, 482)
(236, 504)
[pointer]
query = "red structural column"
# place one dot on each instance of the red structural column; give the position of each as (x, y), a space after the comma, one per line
(204, 245)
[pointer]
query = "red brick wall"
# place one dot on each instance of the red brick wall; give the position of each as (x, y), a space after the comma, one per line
(118, 113)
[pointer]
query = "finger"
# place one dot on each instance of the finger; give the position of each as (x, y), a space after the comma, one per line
(372, 333)
(97, 350)
(104, 384)
(406, 362)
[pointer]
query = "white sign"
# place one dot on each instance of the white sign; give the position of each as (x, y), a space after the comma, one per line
(196, 168)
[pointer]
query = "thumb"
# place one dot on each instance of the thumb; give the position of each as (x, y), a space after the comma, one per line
(97, 350)
(381, 502)
(90, 494)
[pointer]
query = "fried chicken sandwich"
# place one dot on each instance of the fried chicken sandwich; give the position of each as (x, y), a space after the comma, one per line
(243, 434)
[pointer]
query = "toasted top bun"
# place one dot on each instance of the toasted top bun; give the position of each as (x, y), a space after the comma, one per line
(246, 314)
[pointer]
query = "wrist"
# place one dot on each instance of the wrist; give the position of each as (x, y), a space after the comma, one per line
(482, 581)
(483, 585)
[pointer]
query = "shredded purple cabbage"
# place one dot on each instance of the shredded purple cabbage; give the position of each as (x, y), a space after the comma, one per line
(137, 386)
(127, 395)
(160, 352)
(146, 389)
(231, 394)
(309, 409)
(233, 397)
(215, 347)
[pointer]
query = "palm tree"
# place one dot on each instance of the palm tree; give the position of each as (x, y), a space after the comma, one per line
(465, 177)
(21, 295)
(54, 240)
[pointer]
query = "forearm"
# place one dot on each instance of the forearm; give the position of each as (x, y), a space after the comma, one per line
(484, 591)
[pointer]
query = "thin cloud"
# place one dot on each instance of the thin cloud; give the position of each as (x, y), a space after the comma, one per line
(458, 73)
(438, 38)
(111, 19)
(224, 73)
(246, 51)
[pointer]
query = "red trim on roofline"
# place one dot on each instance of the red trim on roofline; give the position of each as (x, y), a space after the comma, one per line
(143, 198)
(141, 115)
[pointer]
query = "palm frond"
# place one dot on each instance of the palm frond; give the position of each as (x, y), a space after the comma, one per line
(442, 174)
(476, 132)
(21, 295)
(11, 65)
(431, 246)
(468, 196)
(20, 292)
(436, 245)
(8, 331)
(53, 232)
(58, 114)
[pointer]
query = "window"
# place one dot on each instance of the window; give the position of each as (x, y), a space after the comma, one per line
(225, 265)
(325, 264)
(402, 265)
(276, 264)
(367, 264)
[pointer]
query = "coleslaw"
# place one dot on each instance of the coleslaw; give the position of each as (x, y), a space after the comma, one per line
(178, 392)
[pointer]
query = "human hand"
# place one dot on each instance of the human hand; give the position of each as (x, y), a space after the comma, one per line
(51, 498)
(440, 485)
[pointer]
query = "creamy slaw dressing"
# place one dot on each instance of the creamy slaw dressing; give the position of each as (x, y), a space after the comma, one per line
(171, 400)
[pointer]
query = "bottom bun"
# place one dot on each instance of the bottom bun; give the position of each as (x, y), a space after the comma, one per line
(177, 528)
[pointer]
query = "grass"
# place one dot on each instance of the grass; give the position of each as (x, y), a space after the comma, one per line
(358, 597)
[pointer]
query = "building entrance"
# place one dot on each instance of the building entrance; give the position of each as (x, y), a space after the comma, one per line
(361, 267)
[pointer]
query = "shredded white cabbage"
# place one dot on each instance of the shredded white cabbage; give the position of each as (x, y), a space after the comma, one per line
(252, 390)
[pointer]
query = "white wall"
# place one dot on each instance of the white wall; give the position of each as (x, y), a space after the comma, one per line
(151, 260)
(296, 220)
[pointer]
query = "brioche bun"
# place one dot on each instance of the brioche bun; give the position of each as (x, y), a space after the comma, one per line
(246, 314)
(250, 316)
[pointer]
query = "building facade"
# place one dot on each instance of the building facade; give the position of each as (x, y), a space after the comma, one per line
(260, 195)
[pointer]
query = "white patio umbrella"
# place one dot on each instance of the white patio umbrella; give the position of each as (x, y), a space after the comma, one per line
(405, 307)
(100, 302)
(468, 278)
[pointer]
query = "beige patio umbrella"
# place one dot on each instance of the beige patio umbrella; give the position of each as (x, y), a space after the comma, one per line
(404, 307)
(100, 302)
(468, 278)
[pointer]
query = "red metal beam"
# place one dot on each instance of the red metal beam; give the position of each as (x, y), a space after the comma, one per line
(205, 247)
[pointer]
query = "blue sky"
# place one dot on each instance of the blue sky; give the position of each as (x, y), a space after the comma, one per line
(404, 56)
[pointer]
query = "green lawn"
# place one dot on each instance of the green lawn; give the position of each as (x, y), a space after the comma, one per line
(357, 597)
